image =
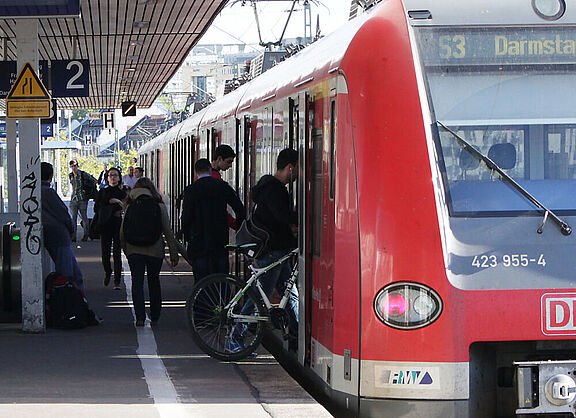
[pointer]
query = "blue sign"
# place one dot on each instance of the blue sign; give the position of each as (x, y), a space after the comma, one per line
(71, 78)
(46, 129)
(2, 128)
(53, 111)
(31, 8)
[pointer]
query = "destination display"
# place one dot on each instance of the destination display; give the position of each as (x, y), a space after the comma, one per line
(30, 8)
(501, 46)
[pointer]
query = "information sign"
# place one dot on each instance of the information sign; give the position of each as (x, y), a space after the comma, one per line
(108, 120)
(28, 98)
(46, 130)
(53, 113)
(72, 78)
(500, 46)
(39, 8)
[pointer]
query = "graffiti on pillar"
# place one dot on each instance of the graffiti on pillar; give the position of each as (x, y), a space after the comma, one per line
(31, 207)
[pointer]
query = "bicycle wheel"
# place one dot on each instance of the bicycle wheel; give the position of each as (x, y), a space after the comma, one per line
(212, 330)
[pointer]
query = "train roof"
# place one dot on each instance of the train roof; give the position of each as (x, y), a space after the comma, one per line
(312, 63)
(483, 12)
(315, 62)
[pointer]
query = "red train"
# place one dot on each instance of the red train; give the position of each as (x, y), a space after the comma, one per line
(437, 184)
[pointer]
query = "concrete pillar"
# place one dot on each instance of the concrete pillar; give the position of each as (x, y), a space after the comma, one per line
(11, 171)
(58, 172)
(30, 201)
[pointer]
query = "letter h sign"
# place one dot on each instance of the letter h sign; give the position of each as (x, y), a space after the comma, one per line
(558, 313)
(108, 120)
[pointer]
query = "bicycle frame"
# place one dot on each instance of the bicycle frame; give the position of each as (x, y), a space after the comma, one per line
(253, 281)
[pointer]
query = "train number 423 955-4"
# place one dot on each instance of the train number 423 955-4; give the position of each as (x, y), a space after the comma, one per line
(508, 260)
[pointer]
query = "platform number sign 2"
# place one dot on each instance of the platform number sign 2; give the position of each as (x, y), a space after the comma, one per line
(70, 78)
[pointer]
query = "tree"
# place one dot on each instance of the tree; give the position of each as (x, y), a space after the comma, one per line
(79, 114)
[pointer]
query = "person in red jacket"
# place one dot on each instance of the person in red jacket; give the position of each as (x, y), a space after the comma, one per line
(222, 161)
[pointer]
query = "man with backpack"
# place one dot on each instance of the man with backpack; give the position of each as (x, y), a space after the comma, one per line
(205, 221)
(275, 214)
(58, 229)
(83, 189)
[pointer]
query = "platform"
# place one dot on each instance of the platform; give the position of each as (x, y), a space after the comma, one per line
(118, 370)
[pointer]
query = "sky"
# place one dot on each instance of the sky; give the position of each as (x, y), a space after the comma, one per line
(237, 24)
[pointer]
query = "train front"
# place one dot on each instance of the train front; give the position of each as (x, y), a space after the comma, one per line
(497, 81)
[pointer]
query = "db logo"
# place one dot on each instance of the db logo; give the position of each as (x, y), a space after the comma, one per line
(558, 314)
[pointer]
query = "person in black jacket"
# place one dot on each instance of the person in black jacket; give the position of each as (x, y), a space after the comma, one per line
(274, 212)
(205, 221)
(108, 207)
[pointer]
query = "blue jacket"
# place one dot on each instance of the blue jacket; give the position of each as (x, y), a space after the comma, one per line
(56, 220)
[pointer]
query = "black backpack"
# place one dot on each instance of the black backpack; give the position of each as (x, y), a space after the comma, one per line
(143, 222)
(89, 186)
(250, 233)
(66, 305)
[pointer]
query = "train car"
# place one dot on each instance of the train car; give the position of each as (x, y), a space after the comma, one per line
(436, 194)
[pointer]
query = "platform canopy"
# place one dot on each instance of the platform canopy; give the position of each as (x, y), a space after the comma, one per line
(134, 46)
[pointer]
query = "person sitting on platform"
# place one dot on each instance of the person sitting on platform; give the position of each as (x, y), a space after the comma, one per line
(58, 229)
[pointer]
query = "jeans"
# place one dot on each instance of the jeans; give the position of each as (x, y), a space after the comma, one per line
(66, 264)
(276, 278)
(82, 207)
(110, 240)
(138, 263)
(210, 263)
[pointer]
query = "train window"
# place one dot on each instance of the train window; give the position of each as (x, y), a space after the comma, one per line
(507, 91)
(332, 147)
(316, 154)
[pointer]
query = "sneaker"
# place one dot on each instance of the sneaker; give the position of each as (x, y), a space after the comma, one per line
(140, 323)
(106, 280)
(234, 347)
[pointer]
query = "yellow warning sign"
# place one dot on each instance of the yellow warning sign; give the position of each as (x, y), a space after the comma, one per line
(27, 109)
(28, 86)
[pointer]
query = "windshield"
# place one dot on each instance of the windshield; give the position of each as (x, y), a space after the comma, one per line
(510, 93)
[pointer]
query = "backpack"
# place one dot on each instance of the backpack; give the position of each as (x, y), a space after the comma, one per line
(67, 307)
(143, 222)
(250, 233)
(89, 186)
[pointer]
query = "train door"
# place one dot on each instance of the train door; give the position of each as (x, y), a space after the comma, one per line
(215, 141)
(301, 110)
(208, 143)
(249, 161)
(171, 183)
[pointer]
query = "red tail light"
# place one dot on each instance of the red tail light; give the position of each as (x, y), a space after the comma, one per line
(407, 305)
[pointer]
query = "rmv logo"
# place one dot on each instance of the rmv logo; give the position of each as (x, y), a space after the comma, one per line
(557, 310)
(406, 377)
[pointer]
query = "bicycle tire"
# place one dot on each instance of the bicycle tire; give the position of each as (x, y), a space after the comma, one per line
(211, 329)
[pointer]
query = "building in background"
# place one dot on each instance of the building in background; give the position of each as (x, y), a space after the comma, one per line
(203, 75)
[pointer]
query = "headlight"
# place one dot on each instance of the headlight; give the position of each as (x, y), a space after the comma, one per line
(407, 305)
(549, 9)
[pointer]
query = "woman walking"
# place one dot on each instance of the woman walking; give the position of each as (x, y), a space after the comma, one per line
(144, 246)
(108, 209)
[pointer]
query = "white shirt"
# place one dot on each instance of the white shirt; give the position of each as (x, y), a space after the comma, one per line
(129, 181)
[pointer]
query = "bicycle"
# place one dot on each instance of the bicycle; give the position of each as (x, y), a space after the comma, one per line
(214, 309)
